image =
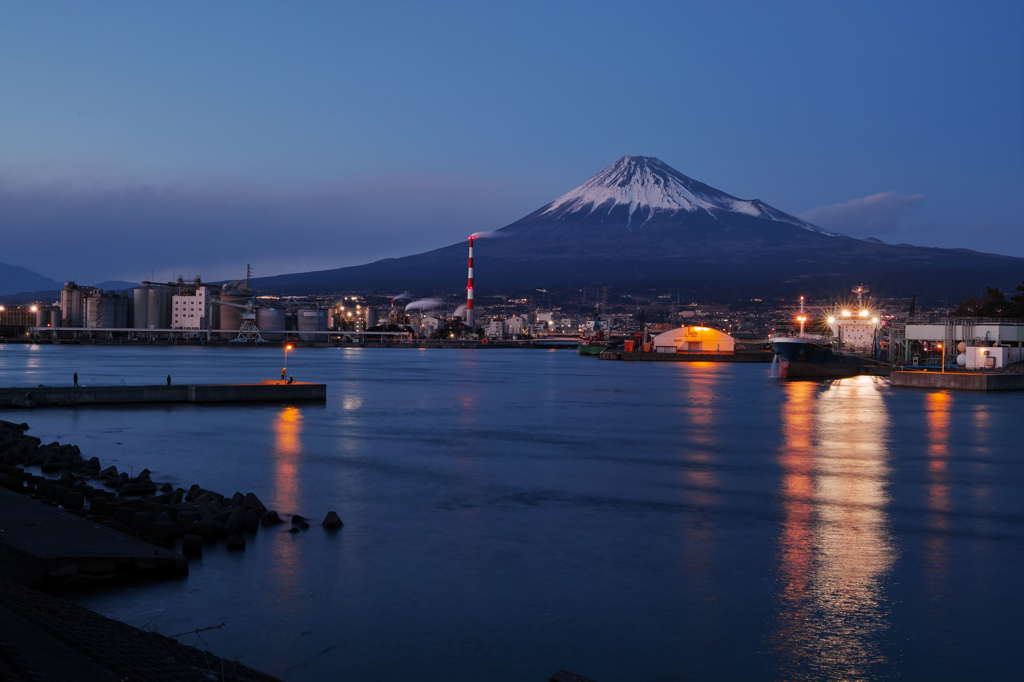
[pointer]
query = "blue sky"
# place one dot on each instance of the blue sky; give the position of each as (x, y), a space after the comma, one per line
(144, 139)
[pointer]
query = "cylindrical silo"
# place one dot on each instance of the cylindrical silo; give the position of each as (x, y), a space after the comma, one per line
(230, 316)
(158, 313)
(71, 307)
(140, 309)
(312, 320)
(271, 323)
(371, 317)
(153, 309)
(119, 311)
(93, 311)
(55, 317)
(42, 318)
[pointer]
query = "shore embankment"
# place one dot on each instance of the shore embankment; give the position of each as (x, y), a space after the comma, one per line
(76, 524)
(47, 639)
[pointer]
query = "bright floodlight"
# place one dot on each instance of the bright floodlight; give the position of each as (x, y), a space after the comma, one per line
(831, 320)
(875, 320)
(33, 308)
(288, 347)
(846, 313)
(863, 313)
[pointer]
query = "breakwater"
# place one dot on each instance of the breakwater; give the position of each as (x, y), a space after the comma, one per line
(67, 396)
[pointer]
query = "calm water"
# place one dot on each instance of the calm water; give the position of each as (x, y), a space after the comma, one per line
(510, 513)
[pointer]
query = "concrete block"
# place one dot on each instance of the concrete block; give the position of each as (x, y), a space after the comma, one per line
(142, 521)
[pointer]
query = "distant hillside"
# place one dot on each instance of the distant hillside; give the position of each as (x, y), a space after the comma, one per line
(14, 279)
(641, 224)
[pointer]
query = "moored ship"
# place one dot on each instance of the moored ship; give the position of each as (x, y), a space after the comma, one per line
(848, 351)
(596, 341)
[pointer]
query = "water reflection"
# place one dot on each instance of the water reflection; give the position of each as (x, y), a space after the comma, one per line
(834, 547)
(938, 408)
(701, 482)
(285, 553)
(287, 452)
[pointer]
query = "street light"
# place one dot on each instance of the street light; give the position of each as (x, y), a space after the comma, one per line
(287, 347)
(801, 319)
(943, 349)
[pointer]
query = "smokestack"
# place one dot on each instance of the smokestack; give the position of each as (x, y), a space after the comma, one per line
(469, 288)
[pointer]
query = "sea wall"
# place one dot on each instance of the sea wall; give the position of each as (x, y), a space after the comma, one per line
(962, 381)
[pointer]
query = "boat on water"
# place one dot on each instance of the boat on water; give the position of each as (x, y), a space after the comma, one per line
(596, 340)
(849, 350)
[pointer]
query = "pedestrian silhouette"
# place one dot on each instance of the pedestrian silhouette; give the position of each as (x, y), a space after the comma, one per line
(282, 373)
(76, 379)
(168, 379)
(290, 378)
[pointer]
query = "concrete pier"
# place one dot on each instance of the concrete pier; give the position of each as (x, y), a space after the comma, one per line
(741, 356)
(960, 381)
(266, 391)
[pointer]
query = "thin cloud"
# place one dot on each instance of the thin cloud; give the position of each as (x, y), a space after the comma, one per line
(872, 216)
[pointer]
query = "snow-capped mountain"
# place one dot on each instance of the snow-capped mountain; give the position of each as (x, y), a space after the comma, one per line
(646, 186)
(640, 225)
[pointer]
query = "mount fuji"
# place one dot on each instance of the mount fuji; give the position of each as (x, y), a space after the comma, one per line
(640, 224)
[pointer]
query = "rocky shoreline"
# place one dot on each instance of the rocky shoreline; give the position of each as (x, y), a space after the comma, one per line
(43, 637)
(135, 505)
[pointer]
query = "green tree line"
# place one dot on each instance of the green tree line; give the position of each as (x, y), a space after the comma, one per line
(993, 303)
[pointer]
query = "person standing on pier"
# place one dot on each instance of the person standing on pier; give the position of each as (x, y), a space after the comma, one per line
(76, 379)
(282, 373)
(168, 379)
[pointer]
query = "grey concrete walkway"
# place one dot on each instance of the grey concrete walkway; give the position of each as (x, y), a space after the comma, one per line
(40, 543)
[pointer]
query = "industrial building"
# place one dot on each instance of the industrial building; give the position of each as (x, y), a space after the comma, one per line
(973, 343)
(689, 339)
(190, 309)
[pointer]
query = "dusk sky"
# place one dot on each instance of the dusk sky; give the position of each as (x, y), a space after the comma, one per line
(141, 140)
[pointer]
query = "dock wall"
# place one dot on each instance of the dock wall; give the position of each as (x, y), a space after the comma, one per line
(962, 381)
(53, 396)
(761, 357)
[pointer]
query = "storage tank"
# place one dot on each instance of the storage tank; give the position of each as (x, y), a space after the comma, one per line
(71, 303)
(55, 318)
(119, 311)
(42, 318)
(93, 312)
(271, 323)
(371, 317)
(312, 320)
(140, 309)
(158, 313)
(214, 313)
(231, 317)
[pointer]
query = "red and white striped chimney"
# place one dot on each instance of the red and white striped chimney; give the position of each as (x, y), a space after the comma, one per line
(469, 288)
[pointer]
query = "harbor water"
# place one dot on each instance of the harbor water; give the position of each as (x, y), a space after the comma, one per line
(510, 513)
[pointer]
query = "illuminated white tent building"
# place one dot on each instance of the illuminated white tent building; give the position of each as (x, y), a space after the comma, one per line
(694, 340)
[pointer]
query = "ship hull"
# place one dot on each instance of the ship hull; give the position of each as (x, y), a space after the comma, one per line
(806, 359)
(592, 349)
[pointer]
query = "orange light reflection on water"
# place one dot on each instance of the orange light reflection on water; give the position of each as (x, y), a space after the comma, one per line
(285, 557)
(938, 411)
(834, 544)
(288, 451)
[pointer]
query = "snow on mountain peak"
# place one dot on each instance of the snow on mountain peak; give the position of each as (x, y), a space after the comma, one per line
(649, 184)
